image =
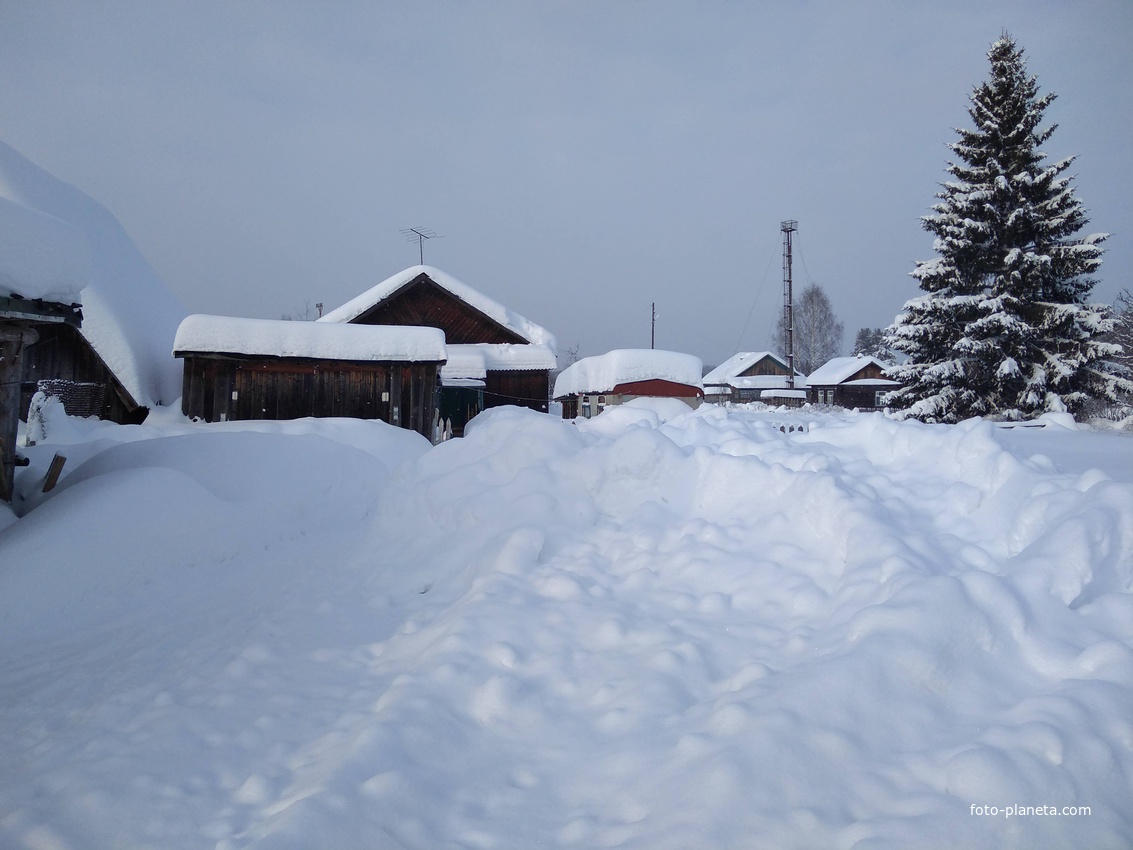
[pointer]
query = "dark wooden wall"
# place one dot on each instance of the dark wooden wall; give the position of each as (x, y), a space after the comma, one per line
(62, 352)
(529, 388)
(401, 394)
(421, 302)
(763, 366)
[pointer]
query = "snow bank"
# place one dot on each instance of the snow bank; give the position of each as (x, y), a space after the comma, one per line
(129, 315)
(658, 631)
(605, 371)
(273, 337)
(511, 320)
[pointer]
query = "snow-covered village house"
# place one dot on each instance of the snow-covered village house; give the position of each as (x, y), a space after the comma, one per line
(115, 364)
(852, 382)
(592, 384)
(754, 376)
(273, 369)
(33, 301)
(495, 355)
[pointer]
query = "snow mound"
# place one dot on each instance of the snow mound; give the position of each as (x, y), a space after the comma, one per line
(129, 315)
(719, 629)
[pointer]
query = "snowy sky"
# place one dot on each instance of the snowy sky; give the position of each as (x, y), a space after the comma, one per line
(580, 160)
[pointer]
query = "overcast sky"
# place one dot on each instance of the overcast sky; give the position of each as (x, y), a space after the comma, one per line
(578, 161)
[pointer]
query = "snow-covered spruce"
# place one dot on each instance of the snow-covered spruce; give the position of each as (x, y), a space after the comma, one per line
(1003, 328)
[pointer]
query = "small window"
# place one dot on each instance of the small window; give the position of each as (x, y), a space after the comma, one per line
(601, 403)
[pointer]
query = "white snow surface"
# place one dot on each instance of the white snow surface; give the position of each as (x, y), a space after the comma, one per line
(41, 257)
(476, 360)
(493, 309)
(129, 315)
(275, 337)
(603, 372)
(658, 629)
(840, 368)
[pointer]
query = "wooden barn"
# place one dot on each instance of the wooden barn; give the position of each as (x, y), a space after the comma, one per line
(265, 369)
(753, 376)
(23, 321)
(852, 382)
(63, 363)
(497, 356)
(588, 387)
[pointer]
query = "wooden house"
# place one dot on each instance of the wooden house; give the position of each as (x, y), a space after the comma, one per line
(497, 357)
(117, 363)
(23, 321)
(754, 376)
(266, 369)
(588, 387)
(63, 363)
(852, 382)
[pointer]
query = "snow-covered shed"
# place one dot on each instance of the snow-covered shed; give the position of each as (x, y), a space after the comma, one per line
(44, 265)
(273, 369)
(119, 356)
(753, 376)
(852, 382)
(497, 356)
(592, 384)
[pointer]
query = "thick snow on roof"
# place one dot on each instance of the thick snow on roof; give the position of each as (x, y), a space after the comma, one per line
(129, 315)
(498, 312)
(41, 257)
(603, 372)
(475, 361)
(278, 338)
(839, 369)
(735, 364)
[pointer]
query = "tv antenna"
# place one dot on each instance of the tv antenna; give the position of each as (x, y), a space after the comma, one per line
(789, 227)
(419, 235)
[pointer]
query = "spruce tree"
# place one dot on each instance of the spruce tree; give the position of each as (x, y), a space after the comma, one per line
(1003, 328)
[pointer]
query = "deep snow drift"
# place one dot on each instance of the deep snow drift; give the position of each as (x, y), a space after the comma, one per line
(655, 629)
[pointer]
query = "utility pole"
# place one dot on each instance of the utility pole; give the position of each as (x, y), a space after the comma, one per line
(789, 227)
(653, 328)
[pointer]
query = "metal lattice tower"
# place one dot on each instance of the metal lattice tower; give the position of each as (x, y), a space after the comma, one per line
(789, 227)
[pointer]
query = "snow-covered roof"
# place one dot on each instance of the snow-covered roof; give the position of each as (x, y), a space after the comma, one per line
(737, 363)
(759, 382)
(476, 360)
(840, 368)
(41, 256)
(511, 320)
(129, 315)
(783, 393)
(622, 366)
(277, 338)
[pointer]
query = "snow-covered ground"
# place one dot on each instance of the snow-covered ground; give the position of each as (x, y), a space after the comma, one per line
(656, 629)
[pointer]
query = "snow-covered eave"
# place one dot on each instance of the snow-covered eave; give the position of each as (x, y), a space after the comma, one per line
(738, 362)
(497, 312)
(15, 308)
(838, 370)
(239, 337)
